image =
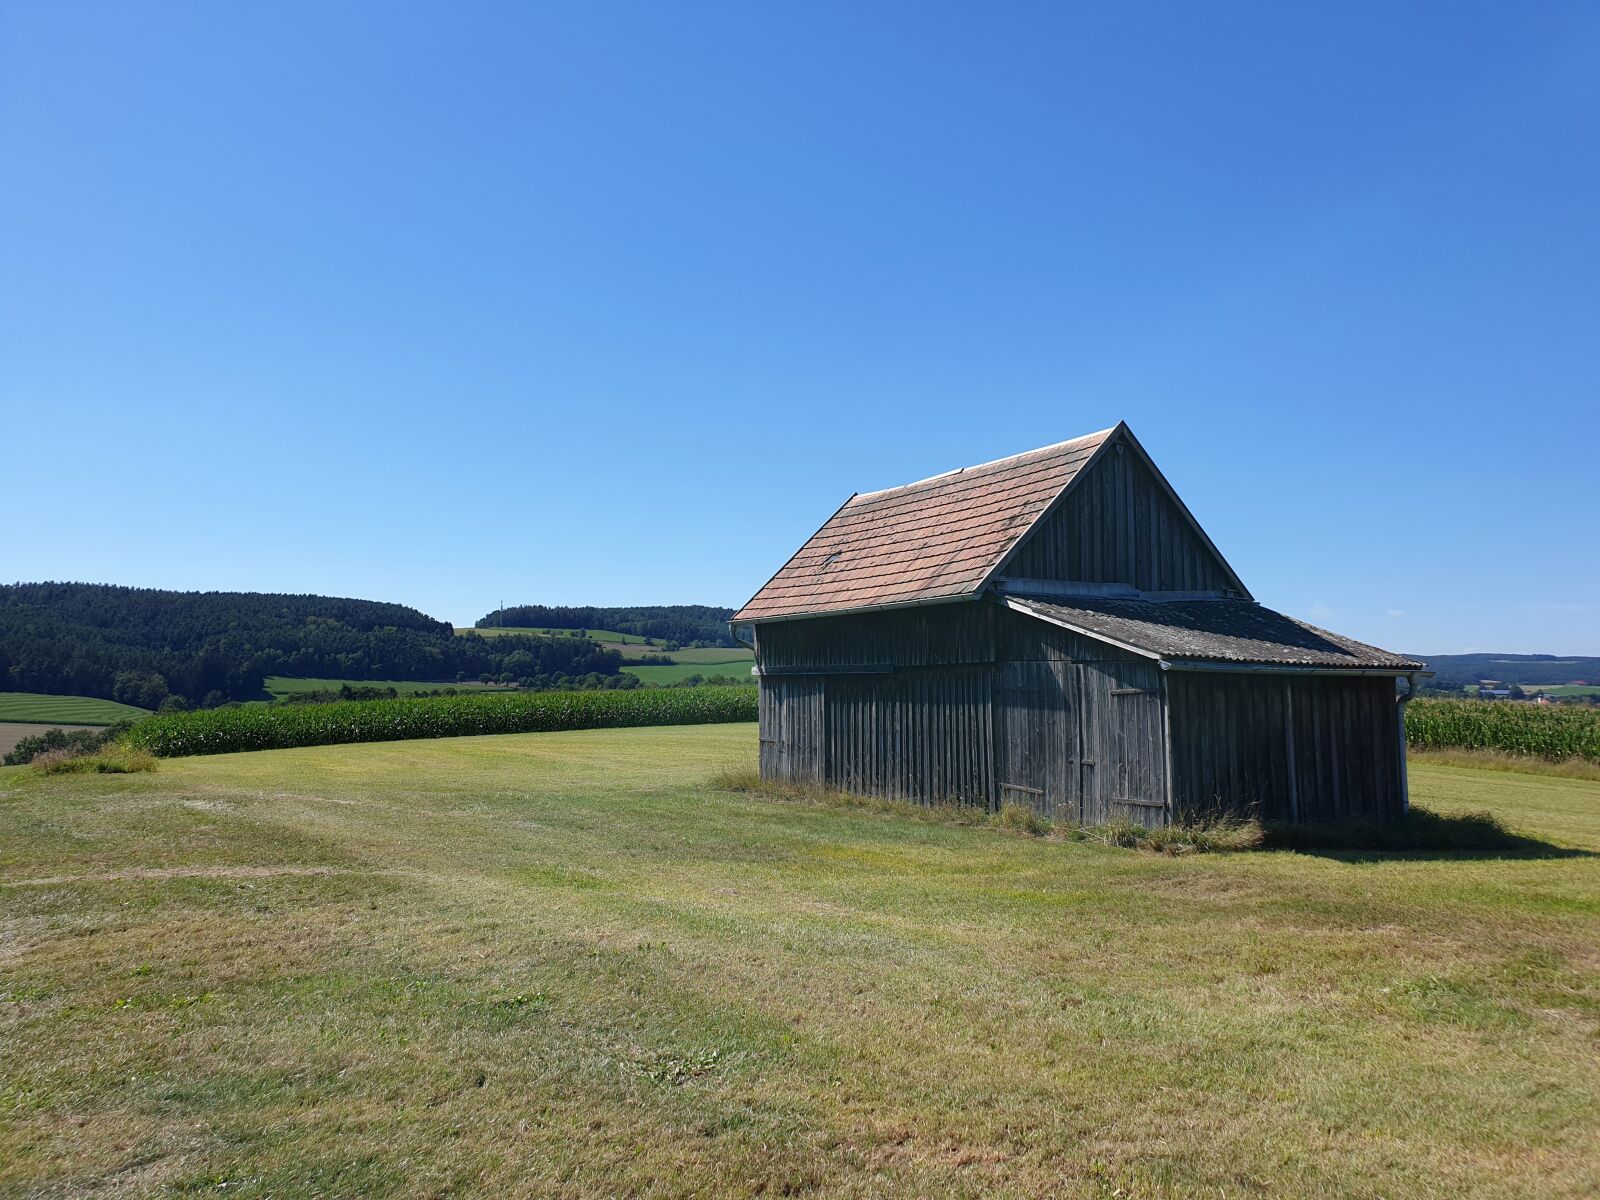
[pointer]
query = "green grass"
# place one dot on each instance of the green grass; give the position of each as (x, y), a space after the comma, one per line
(561, 964)
(69, 710)
(1566, 689)
(739, 668)
(712, 660)
(279, 686)
(703, 655)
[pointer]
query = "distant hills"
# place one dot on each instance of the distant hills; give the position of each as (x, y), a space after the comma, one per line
(687, 624)
(140, 646)
(1452, 671)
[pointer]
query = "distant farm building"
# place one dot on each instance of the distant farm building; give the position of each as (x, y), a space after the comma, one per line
(1055, 630)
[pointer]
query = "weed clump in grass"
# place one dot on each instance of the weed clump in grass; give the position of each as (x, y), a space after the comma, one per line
(64, 742)
(1209, 835)
(1020, 819)
(114, 760)
(749, 781)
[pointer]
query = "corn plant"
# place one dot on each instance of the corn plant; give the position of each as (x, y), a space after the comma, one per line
(276, 727)
(1530, 730)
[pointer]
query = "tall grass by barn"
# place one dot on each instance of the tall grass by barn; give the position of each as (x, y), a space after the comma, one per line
(275, 727)
(1528, 730)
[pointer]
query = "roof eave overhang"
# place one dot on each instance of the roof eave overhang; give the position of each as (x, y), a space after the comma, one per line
(1203, 664)
(1266, 668)
(818, 614)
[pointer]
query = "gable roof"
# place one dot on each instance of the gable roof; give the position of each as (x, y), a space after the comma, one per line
(938, 539)
(1214, 631)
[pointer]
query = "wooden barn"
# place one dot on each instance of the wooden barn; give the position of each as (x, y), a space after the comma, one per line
(1056, 630)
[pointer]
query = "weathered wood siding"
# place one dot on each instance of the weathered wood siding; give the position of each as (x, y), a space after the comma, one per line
(921, 735)
(938, 634)
(1036, 737)
(1094, 722)
(1284, 747)
(975, 704)
(894, 704)
(1119, 525)
(791, 716)
(966, 703)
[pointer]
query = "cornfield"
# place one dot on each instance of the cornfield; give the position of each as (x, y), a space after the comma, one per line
(274, 727)
(1533, 730)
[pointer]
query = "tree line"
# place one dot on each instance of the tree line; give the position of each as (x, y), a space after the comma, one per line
(686, 624)
(142, 645)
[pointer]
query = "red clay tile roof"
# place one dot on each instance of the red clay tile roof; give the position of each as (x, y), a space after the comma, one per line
(933, 540)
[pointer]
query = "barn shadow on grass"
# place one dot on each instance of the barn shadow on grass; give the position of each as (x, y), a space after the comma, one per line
(1420, 834)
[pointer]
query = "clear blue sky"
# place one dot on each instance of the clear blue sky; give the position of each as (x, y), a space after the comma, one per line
(457, 303)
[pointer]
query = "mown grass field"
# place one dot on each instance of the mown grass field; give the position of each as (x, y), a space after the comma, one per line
(279, 686)
(739, 668)
(38, 708)
(702, 655)
(560, 964)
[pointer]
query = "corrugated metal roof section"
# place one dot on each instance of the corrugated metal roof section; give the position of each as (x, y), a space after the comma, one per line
(935, 539)
(1225, 631)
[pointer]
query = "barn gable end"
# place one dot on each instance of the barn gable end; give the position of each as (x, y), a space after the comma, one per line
(1120, 522)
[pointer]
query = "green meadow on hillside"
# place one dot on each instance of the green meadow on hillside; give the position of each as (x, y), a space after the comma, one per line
(565, 964)
(597, 635)
(279, 686)
(68, 710)
(705, 660)
(737, 668)
(704, 656)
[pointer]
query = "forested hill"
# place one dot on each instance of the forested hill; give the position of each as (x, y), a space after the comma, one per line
(685, 623)
(1451, 671)
(139, 644)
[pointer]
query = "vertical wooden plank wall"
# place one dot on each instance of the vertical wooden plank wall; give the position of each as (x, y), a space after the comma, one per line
(1118, 525)
(895, 704)
(1109, 750)
(1285, 747)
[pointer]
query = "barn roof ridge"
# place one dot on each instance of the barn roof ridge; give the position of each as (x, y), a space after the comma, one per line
(1100, 434)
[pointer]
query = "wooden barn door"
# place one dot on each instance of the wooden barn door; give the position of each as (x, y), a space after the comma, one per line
(1035, 739)
(791, 729)
(1124, 743)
